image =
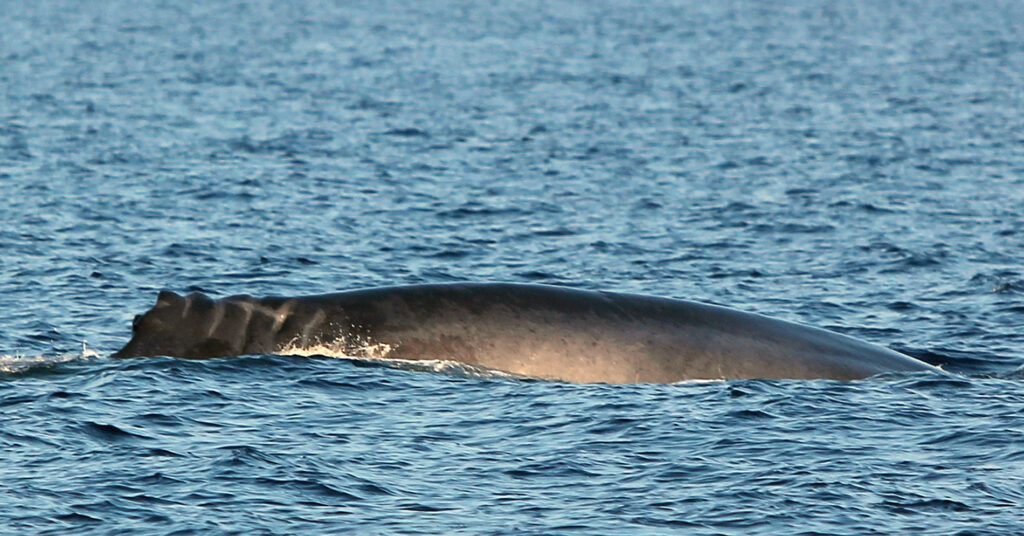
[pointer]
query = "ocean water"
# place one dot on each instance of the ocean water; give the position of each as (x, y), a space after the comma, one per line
(857, 166)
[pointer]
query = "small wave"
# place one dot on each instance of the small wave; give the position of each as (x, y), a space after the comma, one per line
(19, 364)
(1016, 374)
(698, 381)
(110, 433)
(968, 363)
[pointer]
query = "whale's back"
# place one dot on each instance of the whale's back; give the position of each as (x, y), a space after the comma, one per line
(531, 330)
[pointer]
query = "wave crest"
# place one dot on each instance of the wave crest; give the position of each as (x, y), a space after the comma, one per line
(19, 364)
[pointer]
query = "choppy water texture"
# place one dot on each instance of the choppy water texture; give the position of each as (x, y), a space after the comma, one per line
(852, 165)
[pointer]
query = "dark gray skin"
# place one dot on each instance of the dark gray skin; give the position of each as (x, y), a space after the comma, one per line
(529, 330)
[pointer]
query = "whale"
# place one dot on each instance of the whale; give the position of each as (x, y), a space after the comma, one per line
(536, 331)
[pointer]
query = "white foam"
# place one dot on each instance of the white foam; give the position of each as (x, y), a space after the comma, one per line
(10, 364)
(339, 349)
(378, 352)
(702, 380)
(13, 364)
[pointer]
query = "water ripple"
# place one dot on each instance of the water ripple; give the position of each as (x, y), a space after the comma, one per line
(848, 165)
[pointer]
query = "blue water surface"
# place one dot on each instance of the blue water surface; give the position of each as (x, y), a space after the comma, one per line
(852, 165)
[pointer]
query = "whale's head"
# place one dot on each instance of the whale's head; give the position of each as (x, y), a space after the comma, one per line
(177, 326)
